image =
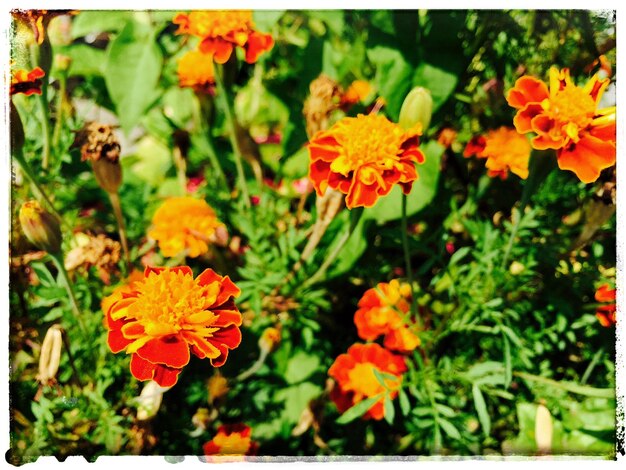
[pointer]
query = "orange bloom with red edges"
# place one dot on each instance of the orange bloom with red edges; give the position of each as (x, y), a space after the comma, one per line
(26, 82)
(184, 224)
(606, 313)
(383, 310)
(364, 157)
(195, 70)
(565, 117)
(356, 92)
(220, 31)
(356, 381)
(231, 439)
(118, 293)
(505, 150)
(169, 315)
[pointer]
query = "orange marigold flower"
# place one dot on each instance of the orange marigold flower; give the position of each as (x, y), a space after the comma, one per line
(26, 82)
(117, 294)
(565, 117)
(356, 381)
(168, 315)
(382, 311)
(356, 92)
(231, 439)
(606, 313)
(220, 31)
(505, 150)
(364, 157)
(184, 223)
(195, 70)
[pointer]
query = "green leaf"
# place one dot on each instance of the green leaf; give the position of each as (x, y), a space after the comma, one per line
(508, 367)
(264, 20)
(357, 410)
(296, 398)
(424, 189)
(132, 72)
(438, 81)
(85, 60)
(390, 411)
(393, 77)
(352, 250)
(94, 22)
(484, 368)
(405, 406)
(301, 366)
(481, 409)
(449, 429)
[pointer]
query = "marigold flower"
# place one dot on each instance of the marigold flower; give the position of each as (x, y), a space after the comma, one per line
(220, 31)
(196, 70)
(606, 313)
(356, 381)
(364, 157)
(382, 311)
(231, 439)
(184, 223)
(26, 82)
(565, 118)
(505, 150)
(38, 20)
(356, 92)
(169, 315)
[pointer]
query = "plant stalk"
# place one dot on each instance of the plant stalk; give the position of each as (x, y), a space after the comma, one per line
(117, 210)
(57, 258)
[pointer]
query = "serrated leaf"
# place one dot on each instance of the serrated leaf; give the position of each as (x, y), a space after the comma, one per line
(481, 410)
(132, 71)
(357, 410)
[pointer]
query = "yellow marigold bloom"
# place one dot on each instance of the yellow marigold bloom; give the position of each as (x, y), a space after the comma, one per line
(195, 70)
(184, 224)
(221, 31)
(505, 150)
(364, 157)
(356, 92)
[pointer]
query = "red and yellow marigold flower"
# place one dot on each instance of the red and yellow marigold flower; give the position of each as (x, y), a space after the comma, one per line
(220, 31)
(565, 117)
(356, 93)
(606, 313)
(168, 315)
(231, 439)
(383, 311)
(505, 150)
(26, 82)
(356, 381)
(364, 157)
(196, 70)
(184, 224)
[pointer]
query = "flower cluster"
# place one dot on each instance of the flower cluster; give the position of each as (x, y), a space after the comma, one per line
(363, 158)
(356, 380)
(505, 150)
(184, 224)
(383, 311)
(167, 315)
(231, 439)
(565, 117)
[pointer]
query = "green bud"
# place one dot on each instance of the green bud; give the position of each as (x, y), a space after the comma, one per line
(417, 108)
(40, 227)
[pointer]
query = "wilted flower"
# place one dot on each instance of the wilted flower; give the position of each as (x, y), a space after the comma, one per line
(505, 150)
(40, 227)
(220, 31)
(169, 315)
(231, 439)
(101, 147)
(356, 381)
(149, 400)
(324, 97)
(196, 70)
(38, 20)
(383, 310)
(364, 157)
(26, 82)
(99, 251)
(566, 118)
(184, 224)
(50, 355)
(606, 313)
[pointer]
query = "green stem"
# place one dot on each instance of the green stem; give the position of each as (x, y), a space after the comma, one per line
(354, 221)
(254, 368)
(58, 261)
(433, 403)
(569, 386)
(42, 102)
(222, 94)
(58, 124)
(38, 191)
(206, 132)
(117, 210)
(591, 366)
(407, 254)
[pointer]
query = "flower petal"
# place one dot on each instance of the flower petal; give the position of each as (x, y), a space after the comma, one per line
(170, 350)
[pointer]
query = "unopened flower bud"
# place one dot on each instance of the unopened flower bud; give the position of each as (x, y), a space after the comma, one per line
(40, 227)
(108, 174)
(417, 108)
(101, 147)
(149, 401)
(269, 339)
(50, 355)
(217, 387)
(516, 268)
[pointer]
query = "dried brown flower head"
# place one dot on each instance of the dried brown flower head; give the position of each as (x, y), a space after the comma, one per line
(325, 97)
(99, 251)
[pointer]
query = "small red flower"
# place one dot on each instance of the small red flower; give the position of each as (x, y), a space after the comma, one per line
(25, 82)
(606, 313)
(231, 439)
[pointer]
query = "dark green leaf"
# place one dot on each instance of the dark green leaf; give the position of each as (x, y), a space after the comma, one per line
(405, 406)
(357, 410)
(390, 411)
(449, 429)
(481, 410)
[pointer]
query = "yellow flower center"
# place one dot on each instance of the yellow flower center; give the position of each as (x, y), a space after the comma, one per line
(363, 381)
(172, 301)
(233, 444)
(367, 140)
(572, 105)
(221, 23)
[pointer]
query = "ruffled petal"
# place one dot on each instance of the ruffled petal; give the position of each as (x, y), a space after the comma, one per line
(587, 158)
